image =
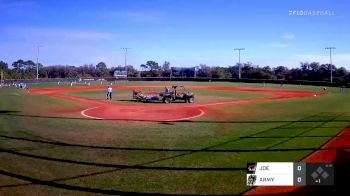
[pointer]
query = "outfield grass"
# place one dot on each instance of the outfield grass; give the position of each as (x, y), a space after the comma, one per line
(170, 83)
(176, 157)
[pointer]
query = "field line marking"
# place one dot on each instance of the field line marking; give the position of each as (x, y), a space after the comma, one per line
(188, 118)
(87, 116)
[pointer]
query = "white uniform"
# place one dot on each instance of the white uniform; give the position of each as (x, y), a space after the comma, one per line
(109, 93)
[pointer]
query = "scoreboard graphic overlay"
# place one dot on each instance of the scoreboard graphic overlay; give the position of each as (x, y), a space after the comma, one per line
(289, 174)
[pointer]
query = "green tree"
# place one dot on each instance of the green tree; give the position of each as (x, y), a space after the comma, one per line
(233, 71)
(3, 66)
(220, 72)
(166, 71)
(18, 65)
(102, 69)
(152, 69)
(132, 72)
(29, 65)
(281, 72)
(24, 69)
(204, 71)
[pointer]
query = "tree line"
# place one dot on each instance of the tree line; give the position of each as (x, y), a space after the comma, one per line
(313, 71)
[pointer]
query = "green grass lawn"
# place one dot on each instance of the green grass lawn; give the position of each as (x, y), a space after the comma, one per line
(204, 156)
(201, 96)
(170, 83)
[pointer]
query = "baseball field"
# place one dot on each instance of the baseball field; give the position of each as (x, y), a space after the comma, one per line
(62, 139)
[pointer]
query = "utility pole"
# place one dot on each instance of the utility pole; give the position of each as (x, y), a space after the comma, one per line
(195, 71)
(125, 57)
(330, 60)
(239, 62)
(1, 76)
(37, 61)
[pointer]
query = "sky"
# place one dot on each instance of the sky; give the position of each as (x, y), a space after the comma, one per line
(184, 32)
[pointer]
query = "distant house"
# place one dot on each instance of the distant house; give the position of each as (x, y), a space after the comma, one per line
(120, 74)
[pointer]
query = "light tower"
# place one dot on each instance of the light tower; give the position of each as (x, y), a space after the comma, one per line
(239, 61)
(37, 60)
(330, 60)
(125, 55)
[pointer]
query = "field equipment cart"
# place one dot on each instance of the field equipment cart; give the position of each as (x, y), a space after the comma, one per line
(177, 93)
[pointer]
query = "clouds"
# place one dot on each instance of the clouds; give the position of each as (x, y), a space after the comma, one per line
(287, 40)
(54, 34)
(339, 60)
(61, 45)
(342, 59)
(288, 36)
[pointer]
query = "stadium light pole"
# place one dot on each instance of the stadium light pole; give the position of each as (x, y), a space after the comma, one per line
(37, 60)
(125, 55)
(330, 60)
(239, 61)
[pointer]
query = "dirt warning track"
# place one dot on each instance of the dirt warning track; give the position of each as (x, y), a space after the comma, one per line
(162, 112)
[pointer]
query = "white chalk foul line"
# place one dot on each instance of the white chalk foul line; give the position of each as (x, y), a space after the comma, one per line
(87, 116)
